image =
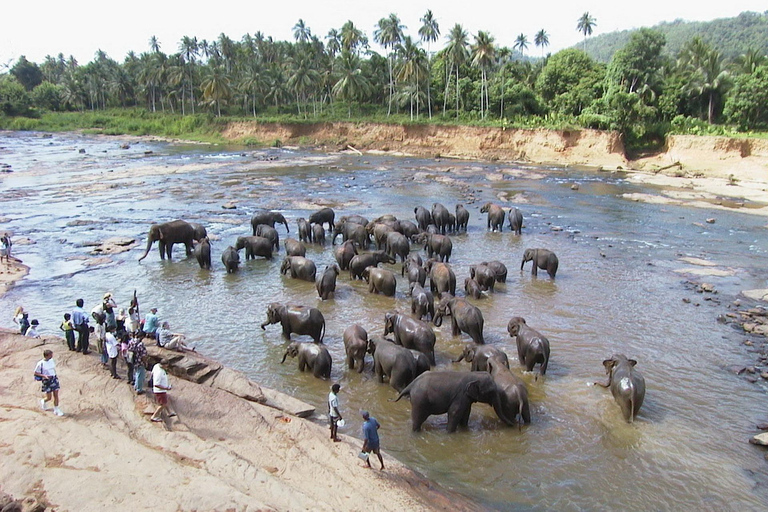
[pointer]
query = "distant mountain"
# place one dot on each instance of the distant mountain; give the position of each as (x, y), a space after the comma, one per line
(731, 36)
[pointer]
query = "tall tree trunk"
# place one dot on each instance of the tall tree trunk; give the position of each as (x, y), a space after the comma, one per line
(711, 109)
(457, 92)
(448, 75)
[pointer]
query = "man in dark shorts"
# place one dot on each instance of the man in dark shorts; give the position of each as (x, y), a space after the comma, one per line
(333, 411)
(371, 438)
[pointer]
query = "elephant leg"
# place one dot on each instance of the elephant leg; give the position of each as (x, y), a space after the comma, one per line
(302, 365)
(418, 417)
(543, 368)
(458, 415)
(287, 333)
(379, 371)
(188, 246)
(455, 326)
(162, 248)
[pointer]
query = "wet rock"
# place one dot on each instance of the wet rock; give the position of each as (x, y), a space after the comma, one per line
(23, 241)
(556, 228)
(707, 287)
(750, 369)
(115, 245)
(80, 222)
(686, 300)
(738, 370)
(765, 376)
(125, 145)
(93, 262)
(148, 152)
(762, 330)
(575, 186)
(721, 319)
(751, 379)
(757, 312)
(81, 151)
(229, 206)
(762, 426)
(760, 294)
(710, 220)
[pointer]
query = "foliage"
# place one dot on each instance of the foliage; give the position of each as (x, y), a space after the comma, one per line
(747, 105)
(14, 99)
(27, 73)
(48, 96)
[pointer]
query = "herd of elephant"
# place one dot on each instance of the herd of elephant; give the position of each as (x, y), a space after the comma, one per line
(406, 358)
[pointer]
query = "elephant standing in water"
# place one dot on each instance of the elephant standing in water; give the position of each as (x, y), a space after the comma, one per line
(532, 346)
(231, 259)
(495, 216)
(312, 357)
(268, 218)
(169, 233)
(322, 216)
(326, 282)
(452, 393)
(462, 218)
(627, 385)
(254, 246)
(423, 217)
(299, 319)
(299, 267)
(294, 247)
(411, 333)
(464, 317)
(355, 346)
(515, 221)
(396, 363)
(543, 259)
(513, 395)
(203, 253)
(344, 254)
(478, 356)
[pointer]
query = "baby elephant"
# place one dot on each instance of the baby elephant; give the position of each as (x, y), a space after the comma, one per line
(478, 356)
(627, 384)
(355, 345)
(326, 282)
(532, 346)
(312, 357)
(543, 259)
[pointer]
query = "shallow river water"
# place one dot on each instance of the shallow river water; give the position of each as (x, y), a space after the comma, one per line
(616, 292)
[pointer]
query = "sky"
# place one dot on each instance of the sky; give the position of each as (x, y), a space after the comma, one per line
(81, 27)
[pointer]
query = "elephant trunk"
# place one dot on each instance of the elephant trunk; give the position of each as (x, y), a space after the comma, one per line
(459, 359)
(264, 325)
(287, 229)
(284, 355)
(438, 321)
(522, 264)
(149, 246)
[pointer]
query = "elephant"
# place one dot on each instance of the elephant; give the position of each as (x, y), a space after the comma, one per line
(532, 346)
(499, 270)
(380, 280)
(513, 395)
(344, 254)
(441, 277)
(543, 259)
(462, 218)
(294, 247)
(422, 361)
(422, 302)
(312, 357)
(495, 216)
(452, 393)
(515, 221)
(472, 288)
(305, 230)
(357, 219)
(269, 233)
(167, 234)
(435, 244)
(416, 273)
(464, 318)
(478, 356)
(362, 261)
(397, 244)
(355, 346)
(411, 333)
(203, 253)
(423, 217)
(318, 234)
(322, 216)
(231, 259)
(627, 384)
(440, 217)
(388, 219)
(200, 231)
(432, 229)
(326, 282)
(254, 246)
(408, 229)
(390, 360)
(484, 276)
(451, 222)
(299, 267)
(299, 319)
(268, 218)
(379, 232)
(351, 231)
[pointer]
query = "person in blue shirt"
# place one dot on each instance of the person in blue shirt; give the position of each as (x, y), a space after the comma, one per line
(151, 323)
(80, 321)
(371, 437)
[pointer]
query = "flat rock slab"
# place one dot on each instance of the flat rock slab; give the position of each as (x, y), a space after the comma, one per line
(235, 382)
(287, 403)
(698, 261)
(761, 294)
(697, 271)
(760, 439)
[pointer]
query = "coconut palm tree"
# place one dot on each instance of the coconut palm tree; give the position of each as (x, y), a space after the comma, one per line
(457, 54)
(333, 43)
(189, 50)
(541, 39)
(352, 38)
(483, 56)
(585, 25)
(154, 44)
(301, 32)
(429, 32)
(711, 80)
(413, 66)
(303, 77)
(521, 44)
(352, 84)
(216, 88)
(389, 34)
(748, 62)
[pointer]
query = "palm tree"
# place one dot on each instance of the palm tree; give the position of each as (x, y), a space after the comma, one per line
(457, 54)
(352, 84)
(413, 65)
(301, 32)
(389, 34)
(541, 39)
(216, 88)
(483, 55)
(188, 49)
(429, 32)
(748, 62)
(502, 55)
(585, 25)
(302, 79)
(711, 80)
(352, 38)
(154, 44)
(521, 44)
(333, 44)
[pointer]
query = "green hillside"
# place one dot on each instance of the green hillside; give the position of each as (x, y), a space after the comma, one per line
(731, 36)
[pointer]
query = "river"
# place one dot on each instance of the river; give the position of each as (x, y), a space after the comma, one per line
(616, 291)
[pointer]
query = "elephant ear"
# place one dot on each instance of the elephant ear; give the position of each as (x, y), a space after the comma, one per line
(160, 234)
(631, 362)
(609, 364)
(473, 391)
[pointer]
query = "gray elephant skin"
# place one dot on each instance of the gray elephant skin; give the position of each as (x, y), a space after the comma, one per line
(299, 268)
(362, 261)
(380, 280)
(626, 383)
(169, 233)
(397, 244)
(254, 246)
(414, 270)
(230, 259)
(411, 333)
(269, 233)
(484, 275)
(532, 346)
(452, 393)
(318, 234)
(464, 318)
(305, 230)
(326, 282)
(393, 361)
(304, 320)
(355, 346)
(294, 247)
(495, 216)
(423, 217)
(322, 216)
(472, 288)
(478, 356)
(441, 217)
(543, 259)
(312, 357)
(203, 253)
(515, 221)
(422, 302)
(441, 277)
(499, 270)
(268, 218)
(344, 254)
(462, 218)
(200, 231)
(513, 395)
(351, 231)
(440, 246)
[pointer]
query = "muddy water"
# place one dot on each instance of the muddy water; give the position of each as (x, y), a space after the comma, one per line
(616, 291)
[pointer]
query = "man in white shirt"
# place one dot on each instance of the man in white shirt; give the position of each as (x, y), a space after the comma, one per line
(45, 371)
(160, 388)
(110, 348)
(333, 411)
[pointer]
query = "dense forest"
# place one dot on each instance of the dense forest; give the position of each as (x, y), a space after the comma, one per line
(712, 82)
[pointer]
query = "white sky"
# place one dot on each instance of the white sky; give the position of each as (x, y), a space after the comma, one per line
(80, 27)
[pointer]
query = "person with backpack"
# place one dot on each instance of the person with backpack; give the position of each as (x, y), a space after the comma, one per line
(45, 372)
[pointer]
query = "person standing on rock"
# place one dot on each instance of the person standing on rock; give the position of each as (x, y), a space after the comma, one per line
(80, 321)
(160, 388)
(333, 411)
(69, 331)
(45, 371)
(18, 315)
(100, 330)
(371, 437)
(138, 353)
(110, 346)
(5, 249)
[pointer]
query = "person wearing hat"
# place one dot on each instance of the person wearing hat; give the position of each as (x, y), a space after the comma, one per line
(151, 323)
(371, 437)
(32, 331)
(333, 411)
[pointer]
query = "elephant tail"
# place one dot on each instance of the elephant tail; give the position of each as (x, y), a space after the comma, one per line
(405, 392)
(631, 401)
(322, 333)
